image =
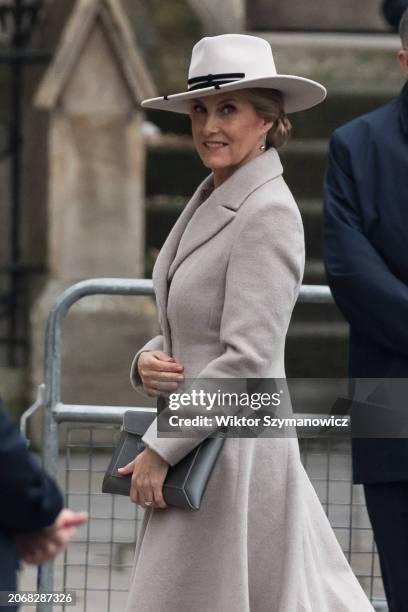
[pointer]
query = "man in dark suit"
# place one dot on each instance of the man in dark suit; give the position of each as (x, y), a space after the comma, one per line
(34, 527)
(366, 259)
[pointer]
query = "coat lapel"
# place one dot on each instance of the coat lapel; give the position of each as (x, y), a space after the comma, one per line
(204, 222)
(169, 248)
(208, 220)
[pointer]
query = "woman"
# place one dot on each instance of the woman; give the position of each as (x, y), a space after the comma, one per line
(226, 281)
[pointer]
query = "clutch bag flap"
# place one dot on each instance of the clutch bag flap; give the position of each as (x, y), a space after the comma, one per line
(137, 421)
(135, 424)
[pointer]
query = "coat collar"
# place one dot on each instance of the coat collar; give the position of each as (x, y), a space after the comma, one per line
(235, 190)
(207, 213)
(404, 108)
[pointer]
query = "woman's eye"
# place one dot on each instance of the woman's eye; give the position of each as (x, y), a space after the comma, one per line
(197, 108)
(227, 109)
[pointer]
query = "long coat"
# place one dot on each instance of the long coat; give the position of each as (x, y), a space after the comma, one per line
(260, 541)
(365, 251)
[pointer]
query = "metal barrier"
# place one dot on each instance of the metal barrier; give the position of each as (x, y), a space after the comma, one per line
(328, 463)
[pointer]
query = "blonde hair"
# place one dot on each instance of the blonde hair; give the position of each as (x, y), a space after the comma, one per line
(268, 104)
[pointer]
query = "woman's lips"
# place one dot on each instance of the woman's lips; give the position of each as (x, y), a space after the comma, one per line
(213, 146)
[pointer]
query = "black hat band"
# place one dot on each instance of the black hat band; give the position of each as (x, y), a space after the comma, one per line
(211, 80)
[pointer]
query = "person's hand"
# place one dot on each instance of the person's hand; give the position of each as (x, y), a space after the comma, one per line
(40, 546)
(148, 471)
(159, 372)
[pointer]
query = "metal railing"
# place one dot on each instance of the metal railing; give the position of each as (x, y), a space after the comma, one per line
(348, 515)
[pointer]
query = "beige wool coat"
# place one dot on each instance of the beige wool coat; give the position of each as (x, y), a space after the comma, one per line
(226, 282)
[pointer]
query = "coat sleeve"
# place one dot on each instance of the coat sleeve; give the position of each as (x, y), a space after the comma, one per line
(30, 498)
(155, 344)
(370, 296)
(263, 277)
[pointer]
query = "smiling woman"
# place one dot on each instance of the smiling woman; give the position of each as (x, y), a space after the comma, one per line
(227, 132)
(230, 129)
(226, 281)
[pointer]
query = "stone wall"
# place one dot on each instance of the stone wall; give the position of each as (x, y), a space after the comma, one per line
(319, 15)
(220, 17)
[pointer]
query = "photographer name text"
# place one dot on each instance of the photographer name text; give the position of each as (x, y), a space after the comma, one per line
(255, 421)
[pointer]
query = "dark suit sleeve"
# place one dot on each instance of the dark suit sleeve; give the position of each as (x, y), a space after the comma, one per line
(370, 296)
(29, 497)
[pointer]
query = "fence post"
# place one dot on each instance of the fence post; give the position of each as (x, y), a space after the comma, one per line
(52, 379)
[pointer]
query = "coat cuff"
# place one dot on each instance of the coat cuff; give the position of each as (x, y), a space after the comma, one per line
(174, 448)
(171, 450)
(155, 344)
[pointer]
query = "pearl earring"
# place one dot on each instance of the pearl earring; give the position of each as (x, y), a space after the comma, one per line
(262, 146)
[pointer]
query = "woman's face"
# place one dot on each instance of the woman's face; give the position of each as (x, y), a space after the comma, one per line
(227, 132)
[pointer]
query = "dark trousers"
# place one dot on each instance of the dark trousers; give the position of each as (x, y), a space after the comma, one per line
(387, 506)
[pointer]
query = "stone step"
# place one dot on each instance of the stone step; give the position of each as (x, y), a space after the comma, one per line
(348, 63)
(325, 15)
(338, 108)
(311, 211)
(314, 272)
(316, 313)
(322, 330)
(316, 349)
(174, 168)
(304, 165)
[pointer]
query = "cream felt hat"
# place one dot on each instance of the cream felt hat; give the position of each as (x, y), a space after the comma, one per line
(237, 61)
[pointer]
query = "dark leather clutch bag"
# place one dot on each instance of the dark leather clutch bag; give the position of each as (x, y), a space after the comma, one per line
(185, 482)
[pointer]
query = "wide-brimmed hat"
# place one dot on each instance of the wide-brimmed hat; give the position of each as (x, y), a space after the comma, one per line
(237, 61)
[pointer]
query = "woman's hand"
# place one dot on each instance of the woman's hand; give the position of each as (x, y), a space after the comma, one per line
(149, 472)
(159, 372)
